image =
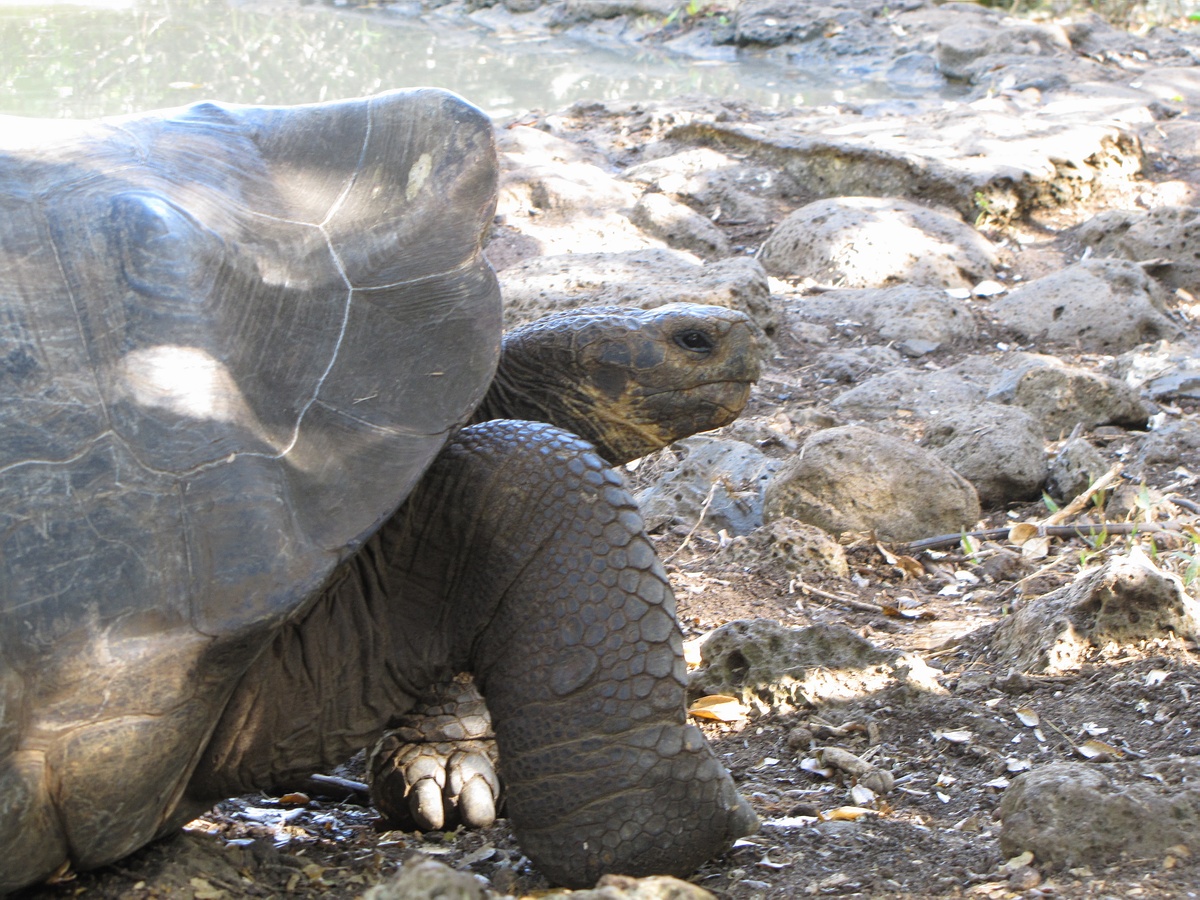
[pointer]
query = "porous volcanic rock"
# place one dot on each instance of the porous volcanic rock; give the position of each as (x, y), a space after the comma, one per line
(1076, 814)
(774, 666)
(875, 242)
(1105, 305)
(999, 449)
(1169, 234)
(1126, 600)
(1062, 396)
(858, 480)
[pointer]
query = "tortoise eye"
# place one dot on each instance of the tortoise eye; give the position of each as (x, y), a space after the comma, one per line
(695, 341)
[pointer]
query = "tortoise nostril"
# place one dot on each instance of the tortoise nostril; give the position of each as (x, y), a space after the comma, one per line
(695, 341)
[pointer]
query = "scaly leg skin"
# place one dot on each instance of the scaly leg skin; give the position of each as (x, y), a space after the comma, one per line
(580, 659)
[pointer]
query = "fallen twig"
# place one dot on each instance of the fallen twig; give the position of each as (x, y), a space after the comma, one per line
(1079, 504)
(845, 601)
(1082, 530)
(346, 784)
(703, 509)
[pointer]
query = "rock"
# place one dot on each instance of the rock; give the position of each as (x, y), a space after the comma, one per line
(853, 365)
(772, 22)
(1168, 233)
(559, 196)
(804, 550)
(1103, 305)
(873, 242)
(999, 449)
(920, 394)
(989, 158)
(854, 479)
(904, 313)
(1072, 814)
(1162, 370)
(916, 73)
(1128, 502)
(1062, 397)
(735, 473)
(1074, 469)
(1169, 444)
(672, 174)
(623, 887)
(970, 50)
(679, 226)
(646, 278)
(424, 877)
(1126, 600)
(776, 667)
(576, 12)
(729, 190)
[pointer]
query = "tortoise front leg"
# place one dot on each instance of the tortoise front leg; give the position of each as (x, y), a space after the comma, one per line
(571, 629)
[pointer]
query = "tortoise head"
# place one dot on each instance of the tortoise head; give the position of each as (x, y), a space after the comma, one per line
(629, 380)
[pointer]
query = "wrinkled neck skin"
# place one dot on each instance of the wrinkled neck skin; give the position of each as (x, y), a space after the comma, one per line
(558, 393)
(624, 380)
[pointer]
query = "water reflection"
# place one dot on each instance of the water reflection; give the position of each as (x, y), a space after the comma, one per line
(61, 59)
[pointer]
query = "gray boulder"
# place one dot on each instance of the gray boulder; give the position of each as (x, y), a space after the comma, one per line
(1167, 233)
(857, 480)
(1126, 600)
(899, 314)
(999, 449)
(875, 242)
(1102, 305)
(679, 226)
(1075, 814)
(1061, 396)
(1074, 469)
(921, 394)
(723, 479)
(971, 49)
(803, 550)
(777, 667)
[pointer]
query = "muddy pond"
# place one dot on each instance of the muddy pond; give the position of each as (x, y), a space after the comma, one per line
(108, 58)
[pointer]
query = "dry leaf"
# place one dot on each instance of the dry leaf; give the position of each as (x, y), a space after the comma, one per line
(1028, 717)
(296, 798)
(1096, 749)
(954, 737)
(846, 814)
(720, 707)
(691, 650)
(1022, 532)
(1036, 548)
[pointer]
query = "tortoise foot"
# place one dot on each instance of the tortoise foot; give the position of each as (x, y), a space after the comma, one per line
(437, 769)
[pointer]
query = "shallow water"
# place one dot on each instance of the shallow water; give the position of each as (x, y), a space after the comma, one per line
(84, 60)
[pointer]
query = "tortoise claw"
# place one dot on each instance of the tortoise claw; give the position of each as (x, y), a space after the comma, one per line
(472, 785)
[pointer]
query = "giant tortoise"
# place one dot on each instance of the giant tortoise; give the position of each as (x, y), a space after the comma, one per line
(243, 528)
